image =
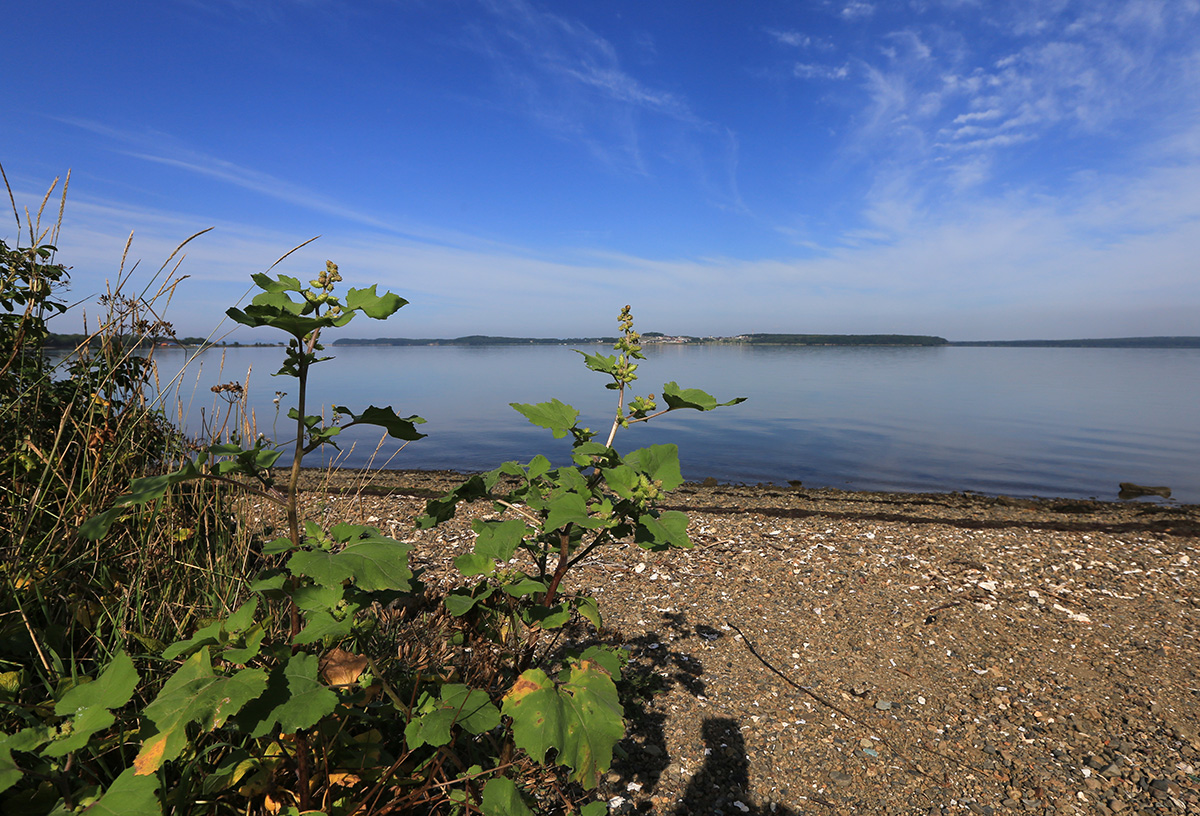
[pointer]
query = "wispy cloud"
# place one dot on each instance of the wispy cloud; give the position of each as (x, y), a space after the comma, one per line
(856, 9)
(574, 83)
(808, 70)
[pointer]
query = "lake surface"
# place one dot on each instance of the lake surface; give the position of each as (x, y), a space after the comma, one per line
(1000, 421)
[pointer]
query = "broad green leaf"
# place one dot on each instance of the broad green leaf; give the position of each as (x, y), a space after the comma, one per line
(538, 466)
(216, 633)
(459, 705)
(499, 539)
(323, 623)
(604, 363)
(580, 719)
(278, 545)
(386, 418)
(587, 454)
(372, 564)
(270, 582)
(89, 703)
(676, 397)
(621, 480)
(470, 564)
(501, 798)
(555, 415)
(594, 809)
(460, 601)
(526, 586)
(552, 617)
(285, 283)
(660, 463)
(567, 508)
(27, 740)
(253, 639)
(668, 530)
(607, 657)
(314, 597)
(130, 794)
(112, 689)
(296, 698)
(194, 695)
(372, 305)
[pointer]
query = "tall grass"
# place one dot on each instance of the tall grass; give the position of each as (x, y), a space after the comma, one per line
(73, 433)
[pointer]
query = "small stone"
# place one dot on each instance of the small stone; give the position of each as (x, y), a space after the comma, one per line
(883, 705)
(840, 779)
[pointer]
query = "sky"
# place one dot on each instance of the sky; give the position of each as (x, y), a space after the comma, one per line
(973, 169)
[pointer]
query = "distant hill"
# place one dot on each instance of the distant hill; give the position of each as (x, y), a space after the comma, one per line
(765, 339)
(842, 339)
(1102, 342)
(472, 340)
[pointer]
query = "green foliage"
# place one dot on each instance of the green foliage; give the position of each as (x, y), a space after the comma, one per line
(296, 701)
(557, 518)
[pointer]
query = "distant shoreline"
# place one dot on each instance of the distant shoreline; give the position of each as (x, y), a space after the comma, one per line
(68, 342)
(877, 340)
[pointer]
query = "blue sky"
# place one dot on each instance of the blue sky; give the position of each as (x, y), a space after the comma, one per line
(976, 170)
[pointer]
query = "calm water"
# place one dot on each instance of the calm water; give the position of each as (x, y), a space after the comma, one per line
(1044, 422)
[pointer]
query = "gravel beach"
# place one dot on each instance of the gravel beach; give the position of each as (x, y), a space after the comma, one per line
(832, 652)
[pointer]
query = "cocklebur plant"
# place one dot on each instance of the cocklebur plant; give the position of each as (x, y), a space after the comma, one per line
(296, 702)
(283, 718)
(549, 520)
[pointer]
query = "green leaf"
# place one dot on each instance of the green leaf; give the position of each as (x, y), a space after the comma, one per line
(499, 539)
(621, 480)
(589, 609)
(475, 711)
(469, 564)
(594, 809)
(501, 798)
(130, 794)
(385, 418)
(660, 463)
(604, 363)
(27, 740)
(526, 586)
(669, 529)
(372, 564)
(460, 601)
(555, 415)
(676, 397)
(581, 719)
(549, 617)
(607, 657)
(459, 705)
(194, 695)
(566, 508)
(379, 307)
(89, 704)
(285, 283)
(216, 633)
(442, 509)
(314, 597)
(278, 545)
(253, 640)
(538, 466)
(304, 699)
(141, 491)
(325, 623)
